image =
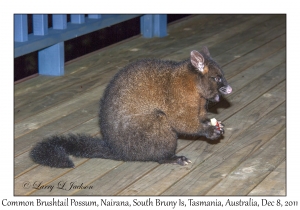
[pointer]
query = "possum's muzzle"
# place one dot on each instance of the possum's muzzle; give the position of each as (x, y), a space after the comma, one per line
(225, 90)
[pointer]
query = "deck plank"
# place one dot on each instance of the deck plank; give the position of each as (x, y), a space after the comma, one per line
(244, 36)
(43, 118)
(25, 184)
(119, 178)
(229, 40)
(253, 170)
(258, 69)
(254, 44)
(123, 176)
(254, 56)
(84, 174)
(273, 184)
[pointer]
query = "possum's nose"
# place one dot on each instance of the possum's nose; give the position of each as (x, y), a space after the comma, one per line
(228, 89)
(225, 90)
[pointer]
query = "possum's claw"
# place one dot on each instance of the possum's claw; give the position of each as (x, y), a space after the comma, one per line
(181, 160)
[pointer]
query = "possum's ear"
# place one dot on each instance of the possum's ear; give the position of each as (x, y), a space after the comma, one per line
(197, 61)
(206, 51)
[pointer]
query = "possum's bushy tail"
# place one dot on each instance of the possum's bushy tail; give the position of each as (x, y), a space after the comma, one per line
(54, 151)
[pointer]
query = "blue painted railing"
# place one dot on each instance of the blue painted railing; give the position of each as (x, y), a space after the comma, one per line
(49, 42)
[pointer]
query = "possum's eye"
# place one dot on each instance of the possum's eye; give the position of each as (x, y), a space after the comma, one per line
(217, 79)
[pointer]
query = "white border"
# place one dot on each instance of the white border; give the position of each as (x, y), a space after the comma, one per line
(8, 8)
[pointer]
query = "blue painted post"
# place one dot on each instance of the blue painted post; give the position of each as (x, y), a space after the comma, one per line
(160, 25)
(142, 24)
(59, 21)
(78, 19)
(20, 28)
(40, 25)
(94, 16)
(147, 26)
(154, 25)
(52, 60)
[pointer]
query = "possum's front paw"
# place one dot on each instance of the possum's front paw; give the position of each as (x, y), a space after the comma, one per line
(214, 132)
(218, 124)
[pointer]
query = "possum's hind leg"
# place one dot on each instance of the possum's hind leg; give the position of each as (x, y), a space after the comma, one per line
(146, 137)
(166, 141)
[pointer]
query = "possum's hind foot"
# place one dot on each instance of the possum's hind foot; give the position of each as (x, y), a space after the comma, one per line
(180, 160)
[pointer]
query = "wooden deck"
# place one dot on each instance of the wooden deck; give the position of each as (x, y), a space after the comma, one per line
(249, 160)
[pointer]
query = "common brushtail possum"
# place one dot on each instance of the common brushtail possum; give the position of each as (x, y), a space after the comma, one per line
(144, 108)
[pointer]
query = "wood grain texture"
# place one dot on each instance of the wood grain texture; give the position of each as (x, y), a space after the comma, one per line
(253, 170)
(273, 184)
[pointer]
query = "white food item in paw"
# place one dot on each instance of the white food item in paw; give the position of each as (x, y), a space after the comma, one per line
(213, 121)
